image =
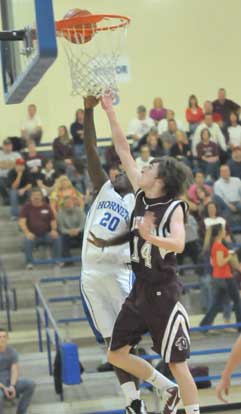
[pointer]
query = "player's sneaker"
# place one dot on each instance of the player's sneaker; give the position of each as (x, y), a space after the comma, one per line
(136, 407)
(170, 399)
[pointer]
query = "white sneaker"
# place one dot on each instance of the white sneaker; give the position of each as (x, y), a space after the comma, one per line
(170, 399)
(29, 266)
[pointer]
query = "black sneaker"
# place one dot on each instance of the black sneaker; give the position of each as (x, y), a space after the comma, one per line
(170, 400)
(136, 407)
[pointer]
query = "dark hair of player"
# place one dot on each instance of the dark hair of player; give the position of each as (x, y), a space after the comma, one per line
(174, 174)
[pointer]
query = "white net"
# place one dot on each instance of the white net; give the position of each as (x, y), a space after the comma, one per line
(93, 64)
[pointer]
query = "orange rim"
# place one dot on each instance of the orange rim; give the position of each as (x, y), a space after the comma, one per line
(77, 24)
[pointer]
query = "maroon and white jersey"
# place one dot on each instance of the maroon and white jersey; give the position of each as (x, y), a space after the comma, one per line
(150, 263)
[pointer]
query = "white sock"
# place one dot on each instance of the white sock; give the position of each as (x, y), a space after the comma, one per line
(130, 392)
(192, 409)
(159, 381)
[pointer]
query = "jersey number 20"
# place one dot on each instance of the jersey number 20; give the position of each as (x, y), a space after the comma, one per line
(145, 252)
(109, 221)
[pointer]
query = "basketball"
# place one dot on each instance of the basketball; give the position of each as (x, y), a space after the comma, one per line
(85, 31)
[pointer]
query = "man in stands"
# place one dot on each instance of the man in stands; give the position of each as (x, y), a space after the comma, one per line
(208, 109)
(8, 158)
(163, 124)
(71, 221)
(139, 126)
(224, 106)
(235, 162)
(228, 188)
(39, 226)
(168, 138)
(145, 158)
(19, 184)
(11, 386)
(215, 131)
(32, 126)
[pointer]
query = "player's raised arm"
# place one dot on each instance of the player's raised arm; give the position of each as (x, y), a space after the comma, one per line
(95, 170)
(121, 144)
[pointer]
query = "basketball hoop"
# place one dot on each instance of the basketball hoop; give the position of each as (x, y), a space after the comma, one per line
(93, 44)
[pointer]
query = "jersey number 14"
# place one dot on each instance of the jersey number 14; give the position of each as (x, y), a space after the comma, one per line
(145, 252)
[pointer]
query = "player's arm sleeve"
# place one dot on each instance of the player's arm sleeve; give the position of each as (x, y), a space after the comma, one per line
(95, 170)
(122, 148)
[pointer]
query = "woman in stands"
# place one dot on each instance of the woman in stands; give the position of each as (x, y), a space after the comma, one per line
(158, 112)
(194, 113)
(63, 149)
(63, 188)
(223, 281)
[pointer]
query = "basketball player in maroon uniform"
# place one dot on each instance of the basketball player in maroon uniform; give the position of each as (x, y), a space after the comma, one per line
(157, 233)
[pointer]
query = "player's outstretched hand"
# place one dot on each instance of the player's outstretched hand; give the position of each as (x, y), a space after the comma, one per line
(222, 388)
(107, 102)
(90, 102)
(147, 225)
(96, 241)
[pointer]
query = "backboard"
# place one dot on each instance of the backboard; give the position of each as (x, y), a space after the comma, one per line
(25, 61)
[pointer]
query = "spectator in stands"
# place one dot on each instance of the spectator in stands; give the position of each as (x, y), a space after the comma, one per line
(71, 221)
(145, 158)
(223, 280)
(111, 157)
(139, 126)
(11, 385)
(77, 132)
(181, 149)
(199, 182)
(78, 176)
(62, 148)
(229, 190)
(225, 106)
(215, 131)
(158, 112)
(234, 131)
(19, 184)
(208, 109)
(33, 161)
(168, 138)
(163, 124)
(39, 226)
(208, 155)
(193, 243)
(113, 171)
(47, 177)
(154, 143)
(194, 113)
(63, 188)
(235, 162)
(7, 161)
(32, 126)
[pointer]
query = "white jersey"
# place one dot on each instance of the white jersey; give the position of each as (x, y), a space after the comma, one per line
(109, 217)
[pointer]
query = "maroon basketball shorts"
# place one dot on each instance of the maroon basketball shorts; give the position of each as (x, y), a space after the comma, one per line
(157, 310)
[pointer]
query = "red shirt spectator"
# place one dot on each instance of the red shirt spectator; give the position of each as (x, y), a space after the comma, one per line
(194, 116)
(220, 272)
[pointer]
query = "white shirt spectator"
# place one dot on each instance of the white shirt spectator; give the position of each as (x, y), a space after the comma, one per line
(7, 162)
(141, 163)
(30, 124)
(163, 126)
(229, 190)
(140, 127)
(234, 133)
(216, 136)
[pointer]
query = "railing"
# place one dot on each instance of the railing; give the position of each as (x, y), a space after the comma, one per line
(8, 296)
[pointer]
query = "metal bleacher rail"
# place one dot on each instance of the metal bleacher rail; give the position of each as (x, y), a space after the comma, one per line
(8, 296)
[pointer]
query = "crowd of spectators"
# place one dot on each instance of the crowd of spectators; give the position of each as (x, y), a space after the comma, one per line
(50, 192)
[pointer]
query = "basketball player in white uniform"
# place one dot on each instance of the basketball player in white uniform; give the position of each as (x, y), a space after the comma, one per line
(106, 276)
